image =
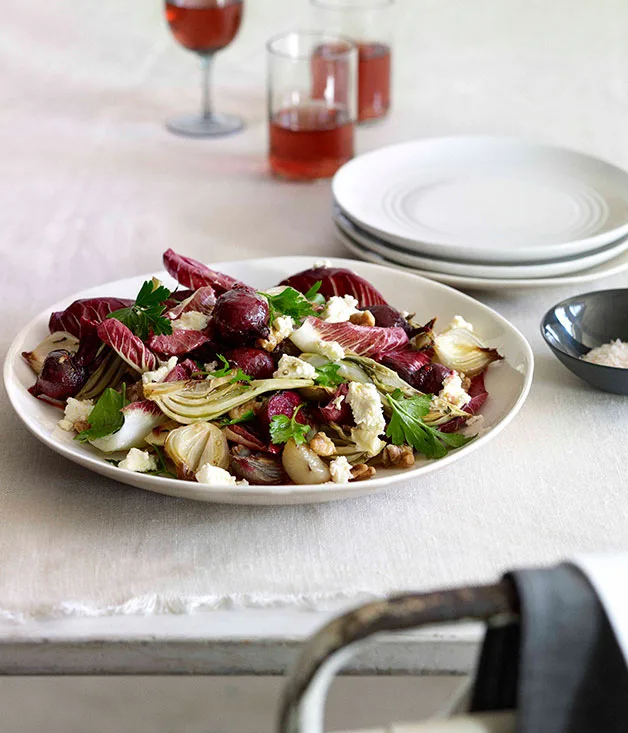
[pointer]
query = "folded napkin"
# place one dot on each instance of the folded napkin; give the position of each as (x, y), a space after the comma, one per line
(561, 668)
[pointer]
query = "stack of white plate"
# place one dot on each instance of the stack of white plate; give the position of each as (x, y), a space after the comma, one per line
(485, 212)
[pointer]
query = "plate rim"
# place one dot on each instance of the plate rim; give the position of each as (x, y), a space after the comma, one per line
(521, 254)
(479, 283)
(158, 484)
(607, 253)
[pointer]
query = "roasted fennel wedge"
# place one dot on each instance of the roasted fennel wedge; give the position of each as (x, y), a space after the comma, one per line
(194, 401)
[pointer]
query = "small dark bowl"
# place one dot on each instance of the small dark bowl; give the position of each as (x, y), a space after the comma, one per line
(575, 326)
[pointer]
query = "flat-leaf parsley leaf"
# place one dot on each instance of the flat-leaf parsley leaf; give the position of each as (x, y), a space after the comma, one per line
(284, 428)
(407, 426)
(145, 316)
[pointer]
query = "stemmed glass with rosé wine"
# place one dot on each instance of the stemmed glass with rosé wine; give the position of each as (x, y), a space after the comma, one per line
(311, 104)
(205, 27)
(368, 23)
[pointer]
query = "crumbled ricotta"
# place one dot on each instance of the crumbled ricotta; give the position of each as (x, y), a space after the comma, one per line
(158, 375)
(291, 367)
(309, 341)
(216, 476)
(191, 321)
(337, 401)
(75, 411)
(139, 461)
(339, 309)
(340, 470)
(368, 413)
(459, 322)
(322, 263)
(453, 392)
(613, 354)
(283, 326)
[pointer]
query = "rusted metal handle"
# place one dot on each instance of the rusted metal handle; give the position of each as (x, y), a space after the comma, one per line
(303, 701)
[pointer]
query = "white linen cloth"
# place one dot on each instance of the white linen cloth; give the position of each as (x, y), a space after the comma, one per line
(93, 189)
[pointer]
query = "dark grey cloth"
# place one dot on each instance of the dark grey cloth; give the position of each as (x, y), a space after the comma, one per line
(561, 667)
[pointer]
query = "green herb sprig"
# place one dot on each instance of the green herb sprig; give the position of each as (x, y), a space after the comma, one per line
(105, 417)
(284, 428)
(145, 316)
(327, 375)
(290, 302)
(406, 426)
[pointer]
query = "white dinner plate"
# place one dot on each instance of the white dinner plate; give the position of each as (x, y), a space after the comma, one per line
(614, 267)
(402, 256)
(485, 199)
(508, 383)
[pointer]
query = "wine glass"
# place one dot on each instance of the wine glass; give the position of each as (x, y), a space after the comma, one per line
(205, 27)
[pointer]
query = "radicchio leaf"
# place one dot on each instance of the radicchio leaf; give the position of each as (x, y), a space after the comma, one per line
(178, 342)
(203, 301)
(92, 310)
(127, 345)
(241, 435)
(182, 371)
(370, 341)
(336, 281)
(407, 363)
(337, 410)
(478, 393)
(193, 274)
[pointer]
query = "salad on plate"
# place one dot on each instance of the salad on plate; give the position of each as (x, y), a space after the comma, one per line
(316, 380)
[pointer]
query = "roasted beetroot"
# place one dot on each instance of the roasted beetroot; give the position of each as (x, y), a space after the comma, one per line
(60, 377)
(282, 403)
(388, 317)
(336, 281)
(182, 371)
(429, 379)
(256, 468)
(257, 363)
(406, 363)
(241, 316)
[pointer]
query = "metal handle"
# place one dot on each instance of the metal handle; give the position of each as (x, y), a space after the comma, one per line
(303, 701)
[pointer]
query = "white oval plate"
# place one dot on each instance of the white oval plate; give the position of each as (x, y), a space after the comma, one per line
(485, 199)
(508, 384)
(401, 256)
(614, 267)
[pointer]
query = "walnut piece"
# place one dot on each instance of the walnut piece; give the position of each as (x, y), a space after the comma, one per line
(400, 456)
(363, 318)
(361, 472)
(81, 425)
(322, 445)
(466, 382)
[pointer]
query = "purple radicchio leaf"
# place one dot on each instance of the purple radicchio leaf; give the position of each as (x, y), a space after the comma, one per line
(193, 274)
(127, 345)
(89, 310)
(178, 342)
(370, 341)
(203, 301)
(336, 281)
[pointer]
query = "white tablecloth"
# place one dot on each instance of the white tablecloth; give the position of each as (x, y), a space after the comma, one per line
(92, 188)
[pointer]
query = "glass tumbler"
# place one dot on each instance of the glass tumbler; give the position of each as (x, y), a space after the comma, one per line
(369, 24)
(312, 98)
